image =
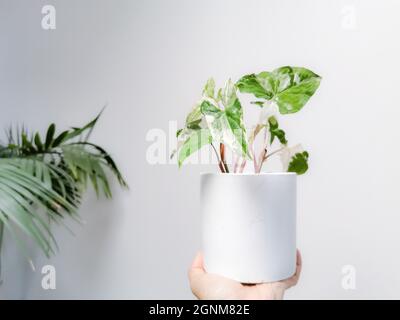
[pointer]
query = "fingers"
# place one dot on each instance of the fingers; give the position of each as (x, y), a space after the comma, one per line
(296, 276)
(196, 272)
(196, 268)
(292, 281)
(198, 261)
(208, 286)
(299, 262)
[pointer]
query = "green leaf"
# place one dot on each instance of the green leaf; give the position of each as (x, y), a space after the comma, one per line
(26, 144)
(78, 131)
(253, 84)
(63, 182)
(49, 136)
(289, 87)
(209, 88)
(31, 223)
(209, 109)
(21, 217)
(39, 185)
(194, 120)
(193, 143)
(21, 195)
(108, 160)
(299, 163)
(229, 98)
(234, 115)
(226, 126)
(86, 164)
(275, 131)
(194, 125)
(36, 186)
(294, 87)
(60, 139)
(218, 98)
(194, 115)
(38, 142)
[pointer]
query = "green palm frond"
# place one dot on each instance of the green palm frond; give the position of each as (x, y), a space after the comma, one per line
(24, 196)
(85, 165)
(88, 160)
(43, 178)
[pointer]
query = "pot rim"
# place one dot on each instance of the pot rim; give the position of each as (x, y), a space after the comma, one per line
(249, 174)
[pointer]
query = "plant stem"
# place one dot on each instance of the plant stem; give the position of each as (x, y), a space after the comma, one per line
(235, 163)
(222, 152)
(254, 157)
(274, 152)
(242, 166)
(220, 165)
(262, 159)
(263, 153)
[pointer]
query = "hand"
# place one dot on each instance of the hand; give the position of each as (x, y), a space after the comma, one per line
(214, 287)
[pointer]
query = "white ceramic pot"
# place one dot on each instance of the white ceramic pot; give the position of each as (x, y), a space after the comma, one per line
(249, 225)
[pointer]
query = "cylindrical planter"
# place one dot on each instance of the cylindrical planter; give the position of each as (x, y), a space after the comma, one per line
(249, 225)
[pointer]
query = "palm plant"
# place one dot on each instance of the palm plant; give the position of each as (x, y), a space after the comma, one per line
(42, 180)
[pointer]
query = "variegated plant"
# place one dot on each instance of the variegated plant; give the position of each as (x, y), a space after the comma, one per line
(217, 119)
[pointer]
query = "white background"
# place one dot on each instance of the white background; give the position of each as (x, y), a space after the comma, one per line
(148, 60)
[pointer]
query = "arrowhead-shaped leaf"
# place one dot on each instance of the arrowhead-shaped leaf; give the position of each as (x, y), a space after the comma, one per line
(196, 140)
(226, 125)
(289, 87)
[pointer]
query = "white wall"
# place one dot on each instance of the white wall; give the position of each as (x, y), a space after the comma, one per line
(148, 60)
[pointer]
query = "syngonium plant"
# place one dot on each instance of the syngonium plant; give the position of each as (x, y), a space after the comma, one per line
(217, 120)
(43, 178)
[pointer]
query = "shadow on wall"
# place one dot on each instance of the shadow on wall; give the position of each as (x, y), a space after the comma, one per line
(14, 269)
(78, 262)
